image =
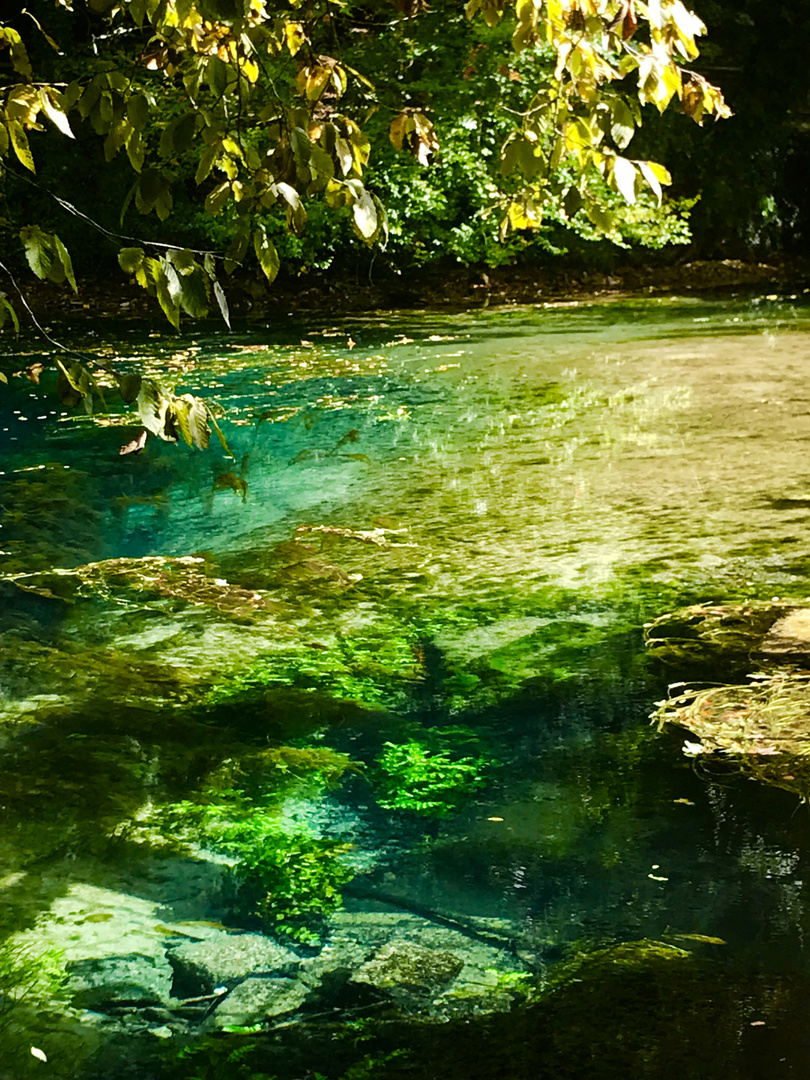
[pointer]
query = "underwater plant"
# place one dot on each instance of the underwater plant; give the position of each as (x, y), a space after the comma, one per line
(288, 882)
(30, 976)
(431, 775)
(291, 882)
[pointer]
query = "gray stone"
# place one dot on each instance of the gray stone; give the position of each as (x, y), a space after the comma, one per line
(403, 965)
(200, 966)
(111, 981)
(256, 999)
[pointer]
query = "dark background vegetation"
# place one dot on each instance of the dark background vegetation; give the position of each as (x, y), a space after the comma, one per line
(746, 179)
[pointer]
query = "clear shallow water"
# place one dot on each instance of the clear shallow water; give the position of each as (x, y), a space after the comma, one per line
(545, 480)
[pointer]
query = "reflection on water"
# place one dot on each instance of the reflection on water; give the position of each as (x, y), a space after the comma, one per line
(441, 535)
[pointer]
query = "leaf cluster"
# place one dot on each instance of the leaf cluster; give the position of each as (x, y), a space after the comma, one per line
(264, 109)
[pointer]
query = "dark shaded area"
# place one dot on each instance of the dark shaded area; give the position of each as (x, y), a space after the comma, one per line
(681, 1019)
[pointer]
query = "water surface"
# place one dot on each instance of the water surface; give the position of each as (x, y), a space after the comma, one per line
(455, 521)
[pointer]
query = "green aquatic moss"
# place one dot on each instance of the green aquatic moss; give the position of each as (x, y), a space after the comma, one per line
(432, 775)
(594, 962)
(287, 882)
(374, 671)
(290, 882)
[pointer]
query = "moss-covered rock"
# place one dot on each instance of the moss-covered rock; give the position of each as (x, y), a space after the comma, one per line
(728, 634)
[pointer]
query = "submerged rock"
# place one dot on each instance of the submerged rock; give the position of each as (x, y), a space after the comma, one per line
(200, 966)
(789, 636)
(254, 1000)
(403, 965)
(731, 633)
(768, 716)
(761, 721)
(112, 981)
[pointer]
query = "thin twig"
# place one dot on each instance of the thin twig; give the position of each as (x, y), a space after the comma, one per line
(43, 331)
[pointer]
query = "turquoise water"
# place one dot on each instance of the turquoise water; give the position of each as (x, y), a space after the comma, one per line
(452, 532)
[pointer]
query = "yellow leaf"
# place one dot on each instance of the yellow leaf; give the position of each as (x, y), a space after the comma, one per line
(295, 36)
(54, 113)
(23, 104)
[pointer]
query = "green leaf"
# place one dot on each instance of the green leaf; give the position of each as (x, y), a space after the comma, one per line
(237, 249)
(184, 132)
(207, 159)
(77, 384)
(138, 111)
(572, 202)
(148, 189)
(222, 301)
(171, 308)
(622, 127)
(655, 175)
(129, 387)
(266, 254)
(7, 311)
(64, 258)
(57, 117)
(193, 294)
(164, 202)
(19, 141)
(182, 260)
(154, 404)
(215, 199)
(66, 392)
(217, 75)
(365, 217)
(38, 250)
(130, 259)
(135, 150)
(218, 433)
(191, 417)
(600, 217)
(624, 176)
(19, 54)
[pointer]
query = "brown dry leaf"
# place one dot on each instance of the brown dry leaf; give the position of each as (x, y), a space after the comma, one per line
(135, 445)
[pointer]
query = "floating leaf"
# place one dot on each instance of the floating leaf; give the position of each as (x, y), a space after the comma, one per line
(136, 445)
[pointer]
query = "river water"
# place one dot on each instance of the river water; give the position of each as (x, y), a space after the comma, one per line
(398, 634)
